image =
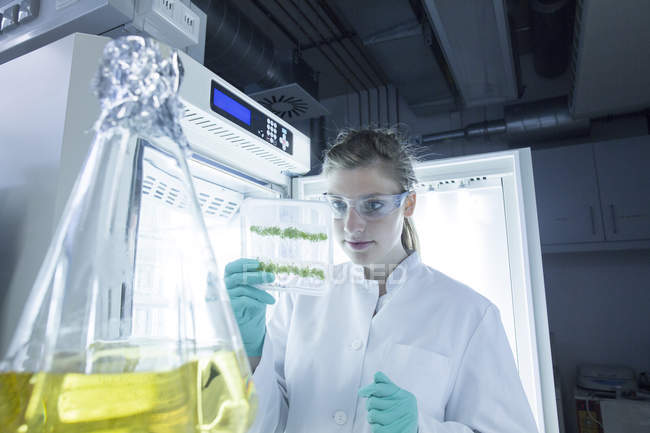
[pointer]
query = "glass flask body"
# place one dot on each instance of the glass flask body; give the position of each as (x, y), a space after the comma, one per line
(128, 327)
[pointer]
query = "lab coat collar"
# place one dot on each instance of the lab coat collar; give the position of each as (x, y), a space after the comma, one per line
(396, 278)
(400, 274)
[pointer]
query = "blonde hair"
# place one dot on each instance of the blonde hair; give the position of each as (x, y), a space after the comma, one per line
(364, 147)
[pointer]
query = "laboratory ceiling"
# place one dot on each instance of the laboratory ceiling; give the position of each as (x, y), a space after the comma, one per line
(354, 45)
(441, 55)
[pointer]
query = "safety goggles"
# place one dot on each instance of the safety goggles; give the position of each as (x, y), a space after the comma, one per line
(369, 207)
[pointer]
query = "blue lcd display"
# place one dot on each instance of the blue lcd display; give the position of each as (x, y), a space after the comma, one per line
(230, 106)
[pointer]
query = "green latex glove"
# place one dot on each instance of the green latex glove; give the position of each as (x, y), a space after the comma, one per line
(248, 302)
(391, 409)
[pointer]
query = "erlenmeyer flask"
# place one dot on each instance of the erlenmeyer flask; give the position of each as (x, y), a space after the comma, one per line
(128, 327)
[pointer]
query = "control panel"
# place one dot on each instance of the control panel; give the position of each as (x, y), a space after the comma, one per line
(235, 109)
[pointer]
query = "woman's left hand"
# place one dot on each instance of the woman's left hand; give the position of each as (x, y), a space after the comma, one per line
(391, 409)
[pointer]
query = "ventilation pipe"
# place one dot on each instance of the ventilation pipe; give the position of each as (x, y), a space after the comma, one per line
(547, 119)
(551, 23)
(237, 50)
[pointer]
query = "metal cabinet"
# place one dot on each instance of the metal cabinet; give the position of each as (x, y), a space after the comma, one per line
(594, 196)
(568, 205)
(623, 169)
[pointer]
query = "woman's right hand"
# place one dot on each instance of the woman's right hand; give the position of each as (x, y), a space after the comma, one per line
(248, 302)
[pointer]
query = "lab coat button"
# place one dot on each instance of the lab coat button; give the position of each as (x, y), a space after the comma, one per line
(340, 417)
(356, 344)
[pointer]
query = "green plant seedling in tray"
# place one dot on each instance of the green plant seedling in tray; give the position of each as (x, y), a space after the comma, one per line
(288, 233)
(291, 239)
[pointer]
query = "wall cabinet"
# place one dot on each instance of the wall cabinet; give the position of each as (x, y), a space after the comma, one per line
(623, 169)
(568, 206)
(594, 195)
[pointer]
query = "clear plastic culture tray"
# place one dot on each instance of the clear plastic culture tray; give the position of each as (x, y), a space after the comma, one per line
(292, 239)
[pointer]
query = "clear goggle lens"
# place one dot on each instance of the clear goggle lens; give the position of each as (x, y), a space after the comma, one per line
(368, 207)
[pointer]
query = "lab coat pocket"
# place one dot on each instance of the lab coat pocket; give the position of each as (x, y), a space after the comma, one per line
(423, 373)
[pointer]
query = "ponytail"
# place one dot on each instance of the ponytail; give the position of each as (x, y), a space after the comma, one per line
(410, 240)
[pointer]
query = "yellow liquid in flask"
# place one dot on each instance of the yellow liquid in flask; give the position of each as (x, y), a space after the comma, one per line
(203, 396)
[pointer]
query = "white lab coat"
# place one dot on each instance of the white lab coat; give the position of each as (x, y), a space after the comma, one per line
(432, 336)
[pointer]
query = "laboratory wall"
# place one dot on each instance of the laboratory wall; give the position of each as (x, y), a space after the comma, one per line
(599, 312)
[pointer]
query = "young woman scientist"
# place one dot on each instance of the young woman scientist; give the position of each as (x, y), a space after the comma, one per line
(395, 346)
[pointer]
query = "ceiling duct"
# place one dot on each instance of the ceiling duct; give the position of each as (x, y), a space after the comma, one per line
(241, 53)
(475, 39)
(532, 122)
(611, 58)
(236, 49)
(551, 36)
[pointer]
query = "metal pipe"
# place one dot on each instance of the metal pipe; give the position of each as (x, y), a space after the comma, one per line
(236, 48)
(387, 107)
(487, 128)
(551, 21)
(327, 41)
(378, 73)
(322, 37)
(442, 136)
(378, 106)
(312, 40)
(325, 55)
(397, 103)
(319, 49)
(340, 42)
(339, 25)
(361, 68)
(401, 31)
(277, 23)
(359, 98)
(543, 120)
(482, 129)
(534, 121)
(369, 106)
(419, 10)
